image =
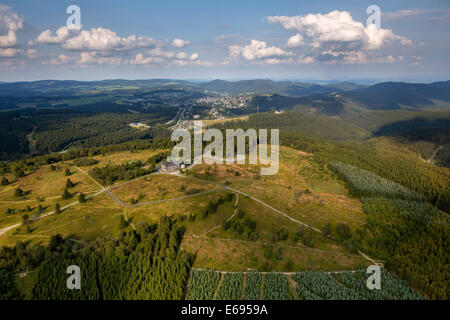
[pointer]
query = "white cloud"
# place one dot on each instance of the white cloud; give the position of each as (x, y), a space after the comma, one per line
(257, 50)
(31, 53)
(181, 55)
(356, 57)
(295, 41)
(234, 51)
(225, 37)
(101, 39)
(89, 58)
(180, 43)
(46, 37)
(183, 63)
(8, 52)
(433, 14)
(60, 59)
(157, 56)
(141, 60)
(338, 31)
(10, 23)
(194, 56)
(277, 61)
(9, 40)
(305, 59)
(401, 14)
(159, 52)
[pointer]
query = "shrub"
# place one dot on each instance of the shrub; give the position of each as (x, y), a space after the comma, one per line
(81, 198)
(69, 184)
(4, 181)
(18, 192)
(343, 231)
(66, 194)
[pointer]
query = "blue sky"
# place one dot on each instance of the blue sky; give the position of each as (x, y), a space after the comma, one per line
(312, 40)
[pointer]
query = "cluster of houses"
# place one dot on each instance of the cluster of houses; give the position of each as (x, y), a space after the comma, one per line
(139, 125)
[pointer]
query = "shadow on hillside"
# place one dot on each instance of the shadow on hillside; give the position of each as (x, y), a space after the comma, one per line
(418, 128)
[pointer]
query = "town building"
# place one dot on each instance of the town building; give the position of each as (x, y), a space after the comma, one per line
(169, 166)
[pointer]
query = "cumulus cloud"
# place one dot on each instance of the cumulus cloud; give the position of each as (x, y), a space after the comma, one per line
(46, 37)
(295, 41)
(337, 37)
(102, 46)
(159, 52)
(356, 57)
(257, 50)
(302, 59)
(181, 55)
(277, 61)
(159, 56)
(194, 56)
(182, 63)
(234, 51)
(337, 30)
(10, 24)
(59, 60)
(140, 59)
(92, 58)
(101, 39)
(31, 53)
(8, 52)
(180, 43)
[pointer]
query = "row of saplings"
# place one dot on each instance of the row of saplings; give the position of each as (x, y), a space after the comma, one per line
(26, 219)
(342, 232)
(238, 224)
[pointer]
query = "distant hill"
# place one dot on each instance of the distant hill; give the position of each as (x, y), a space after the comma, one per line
(324, 104)
(289, 88)
(398, 95)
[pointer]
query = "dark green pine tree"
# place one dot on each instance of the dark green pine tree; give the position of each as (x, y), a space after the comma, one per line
(66, 194)
(4, 181)
(18, 192)
(81, 198)
(25, 219)
(57, 208)
(18, 172)
(40, 209)
(69, 184)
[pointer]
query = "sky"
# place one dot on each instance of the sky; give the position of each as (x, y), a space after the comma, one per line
(214, 39)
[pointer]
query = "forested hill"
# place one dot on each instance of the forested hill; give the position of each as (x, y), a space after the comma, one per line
(395, 95)
(289, 88)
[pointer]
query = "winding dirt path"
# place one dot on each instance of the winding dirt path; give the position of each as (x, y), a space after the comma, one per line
(434, 153)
